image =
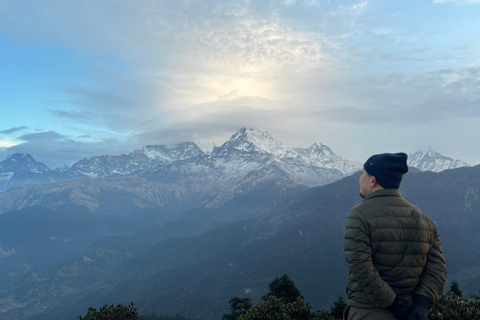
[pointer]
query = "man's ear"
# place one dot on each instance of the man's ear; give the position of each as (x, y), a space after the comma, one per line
(373, 181)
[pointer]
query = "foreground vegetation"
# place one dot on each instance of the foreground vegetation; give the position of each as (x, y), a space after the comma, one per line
(453, 306)
(284, 301)
(121, 312)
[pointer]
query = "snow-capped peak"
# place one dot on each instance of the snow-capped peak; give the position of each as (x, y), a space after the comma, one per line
(427, 159)
(170, 153)
(251, 141)
(320, 155)
(319, 149)
(22, 162)
(206, 147)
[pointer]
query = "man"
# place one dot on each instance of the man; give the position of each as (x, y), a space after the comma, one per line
(397, 267)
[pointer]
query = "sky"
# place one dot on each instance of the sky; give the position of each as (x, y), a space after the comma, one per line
(95, 77)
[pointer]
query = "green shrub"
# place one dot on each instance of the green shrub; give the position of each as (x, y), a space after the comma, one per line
(275, 308)
(120, 312)
(453, 307)
(282, 302)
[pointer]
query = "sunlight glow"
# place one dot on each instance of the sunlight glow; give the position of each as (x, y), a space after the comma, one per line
(7, 143)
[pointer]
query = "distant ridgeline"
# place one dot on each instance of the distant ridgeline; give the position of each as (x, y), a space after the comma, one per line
(312, 166)
(180, 237)
(314, 162)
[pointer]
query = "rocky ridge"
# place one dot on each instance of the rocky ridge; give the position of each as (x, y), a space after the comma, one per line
(429, 160)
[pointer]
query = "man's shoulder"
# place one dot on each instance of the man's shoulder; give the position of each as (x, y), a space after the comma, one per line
(374, 207)
(359, 207)
(358, 210)
(383, 201)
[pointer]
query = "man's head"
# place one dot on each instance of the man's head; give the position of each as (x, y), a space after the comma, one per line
(383, 171)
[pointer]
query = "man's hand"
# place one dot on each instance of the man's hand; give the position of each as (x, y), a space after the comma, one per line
(401, 308)
(420, 308)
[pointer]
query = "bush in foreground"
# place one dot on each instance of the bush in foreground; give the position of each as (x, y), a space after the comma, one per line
(121, 312)
(453, 307)
(283, 302)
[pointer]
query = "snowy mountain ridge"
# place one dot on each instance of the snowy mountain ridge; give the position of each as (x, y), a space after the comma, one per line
(248, 153)
(146, 158)
(20, 169)
(248, 141)
(429, 160)
(19, 162)
(320, 155)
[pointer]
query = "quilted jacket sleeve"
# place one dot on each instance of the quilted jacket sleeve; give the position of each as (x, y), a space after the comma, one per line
(435, 272)
(358, 254)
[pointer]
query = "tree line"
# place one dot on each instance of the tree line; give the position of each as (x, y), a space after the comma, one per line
(284, 301)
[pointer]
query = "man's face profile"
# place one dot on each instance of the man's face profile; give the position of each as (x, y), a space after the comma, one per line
(365, 183)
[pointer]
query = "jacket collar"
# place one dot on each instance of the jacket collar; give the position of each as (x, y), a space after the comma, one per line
(384, 193)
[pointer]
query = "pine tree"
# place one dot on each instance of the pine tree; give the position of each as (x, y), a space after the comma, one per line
(339, 306)
(284, 289)
(455, 289)
(238, 306)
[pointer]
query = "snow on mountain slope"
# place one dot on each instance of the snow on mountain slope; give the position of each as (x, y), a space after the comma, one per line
(252, 157)
(146, 158)
(19, 169)
(319, 155)
(19, 162)
(247, 141)
(429, 160)
(244, 157)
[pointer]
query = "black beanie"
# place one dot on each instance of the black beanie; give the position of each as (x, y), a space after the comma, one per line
(387, 168)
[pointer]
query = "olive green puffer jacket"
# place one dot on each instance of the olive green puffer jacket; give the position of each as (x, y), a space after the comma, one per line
(392, 248)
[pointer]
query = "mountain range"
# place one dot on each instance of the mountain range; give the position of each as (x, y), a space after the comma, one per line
(196, 275)
(305, 164)
(250, 174)
(183, 172)
(64, 233)
(309, 165)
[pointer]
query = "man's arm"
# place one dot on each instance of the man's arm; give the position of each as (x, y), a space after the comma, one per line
(358, 254)
(435, 272)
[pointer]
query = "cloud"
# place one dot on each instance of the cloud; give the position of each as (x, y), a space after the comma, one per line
(162, 34)
(446, 94)
(13, 130)
(188, 70)
(217, 121)
(181, 70)
(458, 2)
(174, 55)
(389, 34)
(115, 102)
(42, 136)
(7, 143)
(71, 115)
(360, 5)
